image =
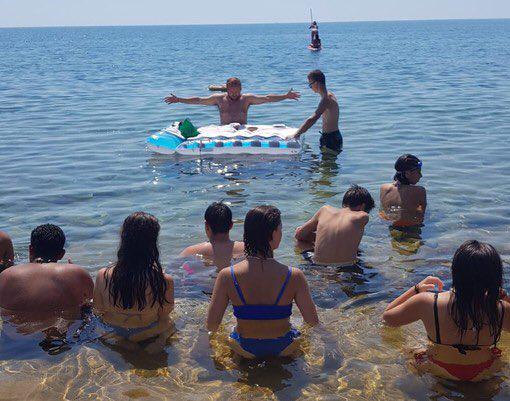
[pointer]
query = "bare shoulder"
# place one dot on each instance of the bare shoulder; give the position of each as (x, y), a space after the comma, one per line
(238, 246)
(385, 188)
(204, 248)
(168, 279)
(4, 237)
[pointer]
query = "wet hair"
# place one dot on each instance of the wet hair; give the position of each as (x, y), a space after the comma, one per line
(138, 267)
(405, 163)
(259, 226)
(477, 274)
(219, 217)
(356, 196)
(233, 81)
(317, 76)
(47, 241)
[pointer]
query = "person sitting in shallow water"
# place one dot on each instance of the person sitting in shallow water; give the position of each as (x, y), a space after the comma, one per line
(44, 290)
(262, 292)
(6, 251)
(463, 324)
(402, 201)
(220, 249)
(336, 233)
(134, 297)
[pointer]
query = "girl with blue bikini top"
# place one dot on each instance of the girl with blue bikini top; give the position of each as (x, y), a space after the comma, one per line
(133, 297)
(262, 292)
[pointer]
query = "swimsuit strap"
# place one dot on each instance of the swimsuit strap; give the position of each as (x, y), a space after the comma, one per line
(236, 284)
(436, 319)
(284, 285)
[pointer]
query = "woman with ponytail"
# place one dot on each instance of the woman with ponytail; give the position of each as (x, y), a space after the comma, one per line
(402, 201)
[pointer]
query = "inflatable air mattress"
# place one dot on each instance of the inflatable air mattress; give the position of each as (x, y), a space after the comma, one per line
(227, 139)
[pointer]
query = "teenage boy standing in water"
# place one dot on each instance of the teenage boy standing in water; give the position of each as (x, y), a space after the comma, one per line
(331, 139)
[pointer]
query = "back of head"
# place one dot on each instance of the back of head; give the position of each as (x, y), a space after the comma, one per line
(259, 226)
(47, 243)
(405, 163)
(357, 196)
(218, 217)
(477, 274)
(138, 267)
(317, 76)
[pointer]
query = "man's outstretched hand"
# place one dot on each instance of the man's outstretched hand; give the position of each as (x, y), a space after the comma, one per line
(171, 99)
(293, 95)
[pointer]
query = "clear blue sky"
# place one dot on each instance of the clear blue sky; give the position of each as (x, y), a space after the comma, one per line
(15, 13)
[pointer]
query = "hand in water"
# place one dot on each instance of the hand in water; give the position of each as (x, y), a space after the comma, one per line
(293, 95)
(429, 284)
(171, 99)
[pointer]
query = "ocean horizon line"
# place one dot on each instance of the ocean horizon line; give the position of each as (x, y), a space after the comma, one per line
(252, 23)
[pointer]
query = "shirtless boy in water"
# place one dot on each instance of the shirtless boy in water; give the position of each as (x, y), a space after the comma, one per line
(336, 233)
(233, 105)
(43, 287)
(403, 201)
(331, 139)
(220, 248)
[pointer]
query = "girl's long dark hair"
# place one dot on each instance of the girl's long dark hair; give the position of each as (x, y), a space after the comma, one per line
(477, 274)
(138, 267)
(259, 226)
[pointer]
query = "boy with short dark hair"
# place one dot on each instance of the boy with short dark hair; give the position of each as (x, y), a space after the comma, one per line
(220, 249)
(336, 233)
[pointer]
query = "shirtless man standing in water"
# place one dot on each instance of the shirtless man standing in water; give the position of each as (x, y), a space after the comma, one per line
(331, 139)
(233, 105)
(336, 233)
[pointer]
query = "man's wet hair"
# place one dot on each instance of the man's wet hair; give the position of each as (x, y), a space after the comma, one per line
(317, 76)
(356, 196)
(234, 81)
(47, 242)
(219, 217)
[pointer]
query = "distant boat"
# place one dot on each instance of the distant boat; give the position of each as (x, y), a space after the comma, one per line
(315, 44)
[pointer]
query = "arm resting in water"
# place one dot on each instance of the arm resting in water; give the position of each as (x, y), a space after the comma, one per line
(306, 232)
(310, 121)
(219, 301)
(304, 300)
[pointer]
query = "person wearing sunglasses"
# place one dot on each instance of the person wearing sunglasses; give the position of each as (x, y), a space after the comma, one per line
(402, 201)
(331, 138)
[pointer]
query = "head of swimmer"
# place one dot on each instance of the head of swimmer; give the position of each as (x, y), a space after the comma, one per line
(408, 169)
(477, 277)
(316, 81)
(358, 199)
(138, 266)
(217, 220)
(47, 244)
(262, 231)
(234, 88)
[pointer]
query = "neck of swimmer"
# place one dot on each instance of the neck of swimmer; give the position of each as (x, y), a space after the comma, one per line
(220, 237)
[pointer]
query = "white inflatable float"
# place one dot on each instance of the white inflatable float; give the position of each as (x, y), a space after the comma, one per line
(227, 139)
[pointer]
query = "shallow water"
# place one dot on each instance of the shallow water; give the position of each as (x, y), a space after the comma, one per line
(76, 105)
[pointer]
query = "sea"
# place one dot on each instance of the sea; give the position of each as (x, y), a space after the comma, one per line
(77, 104)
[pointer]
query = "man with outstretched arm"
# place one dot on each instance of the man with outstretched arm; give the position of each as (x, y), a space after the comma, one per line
(331, 139)
(233, 105)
